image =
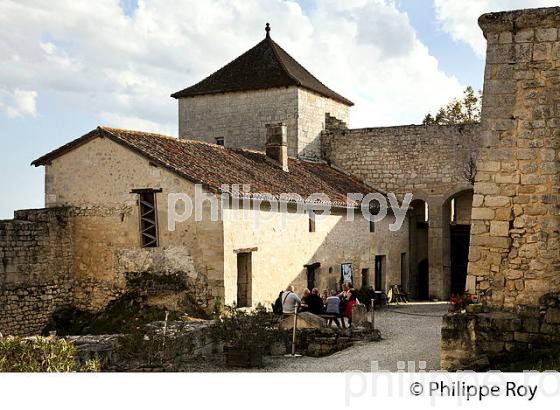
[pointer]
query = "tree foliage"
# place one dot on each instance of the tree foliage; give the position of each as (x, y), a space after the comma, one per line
(464, 111)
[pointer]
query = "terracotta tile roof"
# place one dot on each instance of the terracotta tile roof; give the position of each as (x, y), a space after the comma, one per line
(213, 166)
(264, 66)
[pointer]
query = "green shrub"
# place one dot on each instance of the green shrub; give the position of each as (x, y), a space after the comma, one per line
(40, 354)
(122, 315)
(246, 331)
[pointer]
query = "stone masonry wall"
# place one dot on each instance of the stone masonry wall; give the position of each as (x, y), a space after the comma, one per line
(240, 118)
(514, 257)
(311, 120)
(36, 261)
(431, 162)
(477, 341)
(515, 240)
(412, 158)
(98, 179)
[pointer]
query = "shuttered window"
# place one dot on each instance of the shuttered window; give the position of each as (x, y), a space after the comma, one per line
(148, 219)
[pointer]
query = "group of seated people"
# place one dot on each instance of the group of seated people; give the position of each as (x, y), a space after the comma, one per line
(333, 304)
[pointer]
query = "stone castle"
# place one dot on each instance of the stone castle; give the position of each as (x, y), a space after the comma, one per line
(265, 121)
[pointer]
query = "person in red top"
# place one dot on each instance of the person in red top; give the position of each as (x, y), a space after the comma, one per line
(350, 297)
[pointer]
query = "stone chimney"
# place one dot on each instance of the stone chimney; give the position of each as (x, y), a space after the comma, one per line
(277, 145)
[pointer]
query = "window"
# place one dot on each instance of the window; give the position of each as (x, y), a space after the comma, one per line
(148, 218)
(371, 226)
(220, 141)
(311, 221)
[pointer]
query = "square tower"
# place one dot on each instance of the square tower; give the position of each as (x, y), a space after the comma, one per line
(264, 85)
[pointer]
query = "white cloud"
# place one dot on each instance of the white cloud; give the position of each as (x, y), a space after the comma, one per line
(122, 68)
(459, 18)
(18, 103)
(115, 120)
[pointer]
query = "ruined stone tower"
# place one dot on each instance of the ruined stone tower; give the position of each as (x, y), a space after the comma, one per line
(515, 248)
(264, 85)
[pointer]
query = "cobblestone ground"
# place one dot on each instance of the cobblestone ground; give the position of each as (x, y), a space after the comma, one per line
(411, 333)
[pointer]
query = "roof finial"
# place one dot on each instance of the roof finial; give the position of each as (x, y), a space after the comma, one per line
(267, 29)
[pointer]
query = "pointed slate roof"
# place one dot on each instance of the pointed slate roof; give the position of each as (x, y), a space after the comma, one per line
(264, 66)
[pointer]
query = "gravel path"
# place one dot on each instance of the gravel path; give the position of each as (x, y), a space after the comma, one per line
(410, 332)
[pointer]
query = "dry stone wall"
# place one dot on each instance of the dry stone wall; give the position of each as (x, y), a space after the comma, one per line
(36, 260)
(477, 341)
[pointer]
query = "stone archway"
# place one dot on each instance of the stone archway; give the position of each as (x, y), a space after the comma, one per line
(456, 201)
(456, 221)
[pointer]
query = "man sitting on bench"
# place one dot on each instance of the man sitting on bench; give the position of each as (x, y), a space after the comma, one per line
(333, 308)
(315, 303)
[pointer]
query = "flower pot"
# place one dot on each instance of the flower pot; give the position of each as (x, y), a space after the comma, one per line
(246, 358)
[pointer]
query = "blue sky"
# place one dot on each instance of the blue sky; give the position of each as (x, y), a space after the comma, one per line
(72, 66)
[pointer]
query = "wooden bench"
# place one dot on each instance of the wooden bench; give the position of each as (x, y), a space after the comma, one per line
(330, 317)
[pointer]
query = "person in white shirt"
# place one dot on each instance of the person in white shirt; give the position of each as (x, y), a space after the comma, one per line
(290, 301)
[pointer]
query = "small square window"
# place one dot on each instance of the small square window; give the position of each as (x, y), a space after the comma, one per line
(220, 141)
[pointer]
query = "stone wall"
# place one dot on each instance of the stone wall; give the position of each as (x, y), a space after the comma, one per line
(515, 241)
(48, 263)
(240, 118)
(312, 109)
(186, 346)
(98, 178)
(36, 263)
(471, 341)
(281, 245)
(431, 162)
(426, 160)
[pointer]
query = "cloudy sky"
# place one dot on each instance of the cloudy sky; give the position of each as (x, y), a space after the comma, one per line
(70, 65)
